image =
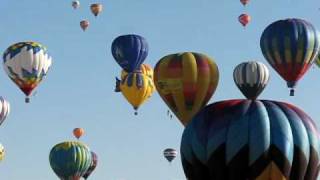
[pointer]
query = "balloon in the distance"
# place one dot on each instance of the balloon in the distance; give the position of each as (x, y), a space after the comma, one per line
(4, 109)
(245, 139)
(78, 132)
(251, 78)
(84, 24)
(70, 160)
(290, 46)
(130, 51)
(2, 152)
(136, 88)
(26, 64)
(244, 2)
(244, 19)
(186, 81)
(170, 154)
(317, 61)
(75, 4)
(96, 9)
(94, 163)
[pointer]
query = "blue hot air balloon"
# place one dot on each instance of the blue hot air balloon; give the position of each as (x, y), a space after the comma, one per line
(251, 139)
(130, 51)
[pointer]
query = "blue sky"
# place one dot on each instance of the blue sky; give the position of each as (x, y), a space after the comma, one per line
(78, 91)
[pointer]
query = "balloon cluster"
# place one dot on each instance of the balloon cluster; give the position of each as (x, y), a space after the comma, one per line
(95, 8)
(73, 159)
(136, 83)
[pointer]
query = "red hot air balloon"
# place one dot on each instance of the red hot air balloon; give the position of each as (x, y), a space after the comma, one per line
(244, 19)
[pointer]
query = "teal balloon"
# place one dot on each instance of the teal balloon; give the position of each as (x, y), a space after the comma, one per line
(70, 160)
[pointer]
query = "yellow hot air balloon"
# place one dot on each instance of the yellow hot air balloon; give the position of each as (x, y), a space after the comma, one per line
(136, 88)
(186, 82)
(2, 152)
(96, 9)
(144, 69)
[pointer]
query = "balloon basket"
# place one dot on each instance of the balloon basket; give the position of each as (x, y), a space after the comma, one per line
(291, 92)
(27, 100)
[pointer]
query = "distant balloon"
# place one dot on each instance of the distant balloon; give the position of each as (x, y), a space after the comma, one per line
(93, 165)
(4, 109)
(170, 154)
(186, 81)
(96, 9)
(244, 2)
(26, 64)
(290, 46)
(70, 160)
(245, 139)
(2, 152)
(84, 24)
(244, 19)
(130, 51)
(75, 4)
(78, 132)
(136, 88)
(251, 78)
(317, 61)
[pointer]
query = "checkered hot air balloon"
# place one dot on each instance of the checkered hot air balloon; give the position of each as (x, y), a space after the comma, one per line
(245, 139)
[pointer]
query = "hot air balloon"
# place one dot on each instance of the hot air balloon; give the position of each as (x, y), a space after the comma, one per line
(93, 165)
(244, 19)
(4, 109)
(170, 154)
(317, 61)
(75, 4)
(78, 132)
(70, 160)
(96, 9)
(251, 78)
(130, 51)
(2, 152)
(245, 139)
(244, 2)
(26, 64)
(84, 24)
(290, 46)
(186, 82)
(136, 88)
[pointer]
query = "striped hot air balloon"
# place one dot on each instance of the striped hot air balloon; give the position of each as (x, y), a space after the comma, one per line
(170, 154)
(290, 46)
(245, 139)
(70, 160)
(4, 109)
(186, 82)
(251, 78)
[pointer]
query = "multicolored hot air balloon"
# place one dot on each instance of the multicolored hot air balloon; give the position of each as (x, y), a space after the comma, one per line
(96, 9)
(70, 160)
(78, 132)
(2, 152)
(251, 78)
(245, 139)
(136, 88)
(170, 154)
(75, 4)
(290, 46)
(4, 109)
(244, 19)
(93, 165)
(186, 82)
(84, 24)
(244, 2)
(26, 64)
(317, 61)
(130, 51)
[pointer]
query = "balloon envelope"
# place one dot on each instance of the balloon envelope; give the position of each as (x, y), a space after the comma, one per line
(170, 154)
(130, 51)
(75, 4)
(4, 109)
(93, 165)
(245, 139)
(290, 46)
(70, 160)
(84, 24)
(186, 82)
(244, 19)
(26, 64)
(78, 132)
(251, 78)
(96, 9)
(2, 152)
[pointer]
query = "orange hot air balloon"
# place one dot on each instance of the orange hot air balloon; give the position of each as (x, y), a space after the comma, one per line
(186, 82)
(244, 2)
(244, 19)
(96, 9)
(78, 132)
(84, 24)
